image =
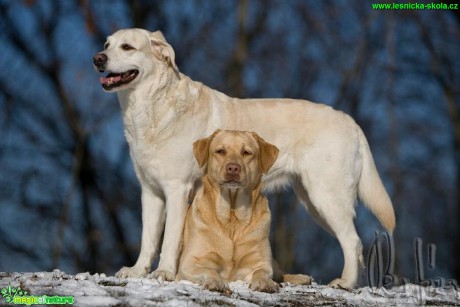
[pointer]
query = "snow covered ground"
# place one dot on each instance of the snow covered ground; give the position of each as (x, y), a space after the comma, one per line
(100, 290)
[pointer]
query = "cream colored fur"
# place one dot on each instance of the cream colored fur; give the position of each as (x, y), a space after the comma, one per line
(323, 152)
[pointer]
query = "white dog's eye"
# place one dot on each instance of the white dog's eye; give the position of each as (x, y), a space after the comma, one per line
(106, 45)
(127, 47)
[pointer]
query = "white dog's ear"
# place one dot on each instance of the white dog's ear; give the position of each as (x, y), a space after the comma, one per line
(268, 153)
(162, 50)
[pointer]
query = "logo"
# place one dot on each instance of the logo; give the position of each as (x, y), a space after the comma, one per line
(19, 296)
(381, 266)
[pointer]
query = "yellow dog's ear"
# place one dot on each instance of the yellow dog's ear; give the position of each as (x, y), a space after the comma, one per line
(268, 153)
(162, 50)
(201, 149)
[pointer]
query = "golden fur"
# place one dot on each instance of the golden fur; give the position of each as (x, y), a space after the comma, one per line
(227, 226)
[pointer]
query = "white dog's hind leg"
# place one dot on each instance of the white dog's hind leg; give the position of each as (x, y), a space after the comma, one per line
(334, 208)
(352, 252)
(176, 207)
(153, 219)
(339, 221)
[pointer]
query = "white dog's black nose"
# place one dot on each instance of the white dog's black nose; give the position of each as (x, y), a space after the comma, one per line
(99, 61)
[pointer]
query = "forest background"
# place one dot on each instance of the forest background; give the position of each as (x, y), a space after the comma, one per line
(69, 198)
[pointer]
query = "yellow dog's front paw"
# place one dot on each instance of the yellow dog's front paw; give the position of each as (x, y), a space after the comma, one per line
(162, 275)
(218, 285)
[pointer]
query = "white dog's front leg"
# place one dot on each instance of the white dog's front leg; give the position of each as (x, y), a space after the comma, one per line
(153, 220)
(176, 208)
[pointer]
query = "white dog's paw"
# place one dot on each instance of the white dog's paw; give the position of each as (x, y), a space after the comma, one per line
(126, 272)
(264, 285)
(162, 275)
(341, 283)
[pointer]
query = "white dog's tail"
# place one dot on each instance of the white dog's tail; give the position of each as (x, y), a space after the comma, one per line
(371, 190)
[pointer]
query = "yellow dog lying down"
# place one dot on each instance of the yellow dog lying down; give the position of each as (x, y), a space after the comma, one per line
(226, 235)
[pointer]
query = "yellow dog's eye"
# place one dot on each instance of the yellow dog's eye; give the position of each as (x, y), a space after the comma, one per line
(127, 47)
(220, 152)
(247, 153)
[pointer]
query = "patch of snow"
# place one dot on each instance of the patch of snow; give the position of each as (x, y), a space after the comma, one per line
(100, 290)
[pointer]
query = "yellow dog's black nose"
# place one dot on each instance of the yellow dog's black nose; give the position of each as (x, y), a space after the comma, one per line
(233, 168)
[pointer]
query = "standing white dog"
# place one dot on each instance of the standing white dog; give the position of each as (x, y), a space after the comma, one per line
(323, 152)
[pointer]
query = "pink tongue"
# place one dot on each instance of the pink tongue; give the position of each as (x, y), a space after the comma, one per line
(113, 79)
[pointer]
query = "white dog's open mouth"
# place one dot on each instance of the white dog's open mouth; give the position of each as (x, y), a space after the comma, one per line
(117, 79)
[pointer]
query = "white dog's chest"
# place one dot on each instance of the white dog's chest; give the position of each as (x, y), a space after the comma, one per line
(156, 163)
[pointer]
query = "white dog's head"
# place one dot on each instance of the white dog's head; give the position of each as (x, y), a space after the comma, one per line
(131, 55)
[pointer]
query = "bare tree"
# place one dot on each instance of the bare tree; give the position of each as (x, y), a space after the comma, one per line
(445, 70)
(58, 132)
